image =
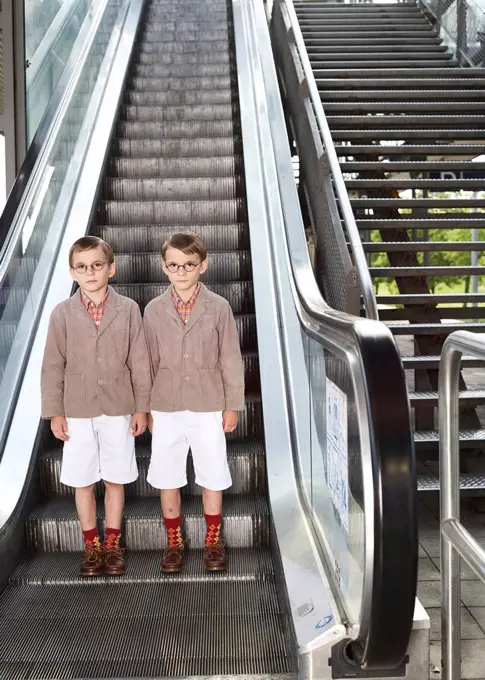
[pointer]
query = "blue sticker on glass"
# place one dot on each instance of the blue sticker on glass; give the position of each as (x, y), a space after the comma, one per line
(324, 622)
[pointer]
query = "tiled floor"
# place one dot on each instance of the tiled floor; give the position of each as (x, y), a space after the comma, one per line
(472, 590)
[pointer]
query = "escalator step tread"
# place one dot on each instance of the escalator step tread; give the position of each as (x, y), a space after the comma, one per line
(177, 214)
(249, 564)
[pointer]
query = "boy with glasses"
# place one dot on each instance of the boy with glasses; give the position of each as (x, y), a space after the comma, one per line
(197, 391)
(96, 391)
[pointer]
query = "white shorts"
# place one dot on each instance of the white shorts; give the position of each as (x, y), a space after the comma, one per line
(173, 434)
(99, 448)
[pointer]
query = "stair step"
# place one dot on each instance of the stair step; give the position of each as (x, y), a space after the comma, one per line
(246, 460)
(213, 111)
(435, 328)
(472, 121)
(147, 268)
(431, 184)
(371, 50)
(196, 46)
(144, 238)
(182, 83)
(163, 168)
(395, 64)
(327, 24)
(410, 166)
(54, 525)
(62, 569)
(147, 103)
(422, 362)
(179, 71)
(316, 40)
(429, 399)
(471, 150)
(239, 294)
(173, 188)
(174, 58)
(446, 223)
(174, 213)
(400, 272)
(417, 203)
(468, 482)
(175, 129)
(430, 299)
(468, 438)
(389, 133)
(422, 246)
(176, 148)
(428, 98)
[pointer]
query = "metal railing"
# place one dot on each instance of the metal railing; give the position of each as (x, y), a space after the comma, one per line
(461, 24)
(456, 541)
(319, 165)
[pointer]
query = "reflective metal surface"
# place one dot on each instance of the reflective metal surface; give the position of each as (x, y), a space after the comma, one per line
(456, 541)
(74, 203)
(328, 156)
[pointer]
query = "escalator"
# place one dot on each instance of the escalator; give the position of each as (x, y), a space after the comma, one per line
(309, 583)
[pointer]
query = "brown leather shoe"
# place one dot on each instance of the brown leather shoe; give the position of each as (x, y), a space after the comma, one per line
(215, 557)
(114, 561)
(93, 559)
(173, 559)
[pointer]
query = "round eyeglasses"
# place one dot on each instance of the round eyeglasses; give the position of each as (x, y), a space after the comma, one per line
(188, 267)
(95, 266)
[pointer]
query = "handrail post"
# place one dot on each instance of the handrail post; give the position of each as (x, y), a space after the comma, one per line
(461, 32)
(450, 510)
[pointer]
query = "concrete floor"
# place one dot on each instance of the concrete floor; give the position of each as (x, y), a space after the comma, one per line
(472, 589)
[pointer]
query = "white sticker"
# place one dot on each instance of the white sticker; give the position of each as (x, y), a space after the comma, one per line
(337, 451)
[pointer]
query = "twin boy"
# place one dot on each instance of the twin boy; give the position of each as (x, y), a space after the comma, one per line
(107, 375)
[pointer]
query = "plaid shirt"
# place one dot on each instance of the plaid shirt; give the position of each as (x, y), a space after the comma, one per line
(96, 312)
(184, 308)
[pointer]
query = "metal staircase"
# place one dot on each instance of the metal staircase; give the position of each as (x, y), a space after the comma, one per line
(176, 163)
(407, 122)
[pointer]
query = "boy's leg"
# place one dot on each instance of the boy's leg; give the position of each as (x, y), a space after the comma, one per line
(80, 469)
(118, 467)
(209, 452)
(168, 472)
(114, 501)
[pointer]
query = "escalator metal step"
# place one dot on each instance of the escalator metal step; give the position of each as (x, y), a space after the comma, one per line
(150, 238)
(173, 189)
(181, 37)
(246, 462)
(177, 129)
(182, 83)
(239, 294)
(169, 58)
(183, 70)
(174, 213)
(62, 569)
(161, 168)
(196, 112)
(430, 399)
(438, 150)
(187, 46)
(154, 24)
(146, 267)
(177, 98)
(54, 525)
(176, 148)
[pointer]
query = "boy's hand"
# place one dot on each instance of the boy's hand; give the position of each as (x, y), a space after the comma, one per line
(59, 428)
(229, 420)
(150, 422)
(138, 423)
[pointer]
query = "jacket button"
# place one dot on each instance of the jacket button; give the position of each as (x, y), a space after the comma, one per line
(186, 356)
(99, 360)
(187, 377)
(100, 382)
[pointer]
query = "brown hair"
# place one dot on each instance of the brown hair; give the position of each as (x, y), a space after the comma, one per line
(88, 243)
(188, 243)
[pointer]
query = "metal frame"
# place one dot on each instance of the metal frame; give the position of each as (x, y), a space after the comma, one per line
(18, 459)
(14, 95)
(329, 160)
(387, 449)
(456, 541)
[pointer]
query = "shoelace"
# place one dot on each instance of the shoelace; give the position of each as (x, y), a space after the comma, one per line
(92, 550)
(214, 550)
(112, 545)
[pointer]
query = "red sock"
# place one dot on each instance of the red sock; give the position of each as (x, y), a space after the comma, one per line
(173, 525)
(90, 535)
(213, 533)
(111, 536)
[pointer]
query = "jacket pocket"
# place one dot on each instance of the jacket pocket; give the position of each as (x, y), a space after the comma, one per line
(162, 388)
(74, 390)
(212, 389)
(124, 391)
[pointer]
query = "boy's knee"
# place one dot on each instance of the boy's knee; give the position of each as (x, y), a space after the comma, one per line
(86, 490)
(112, 485)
